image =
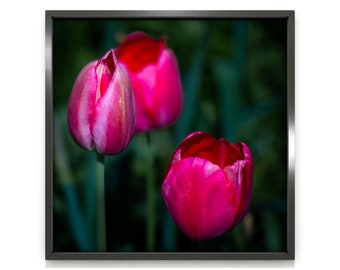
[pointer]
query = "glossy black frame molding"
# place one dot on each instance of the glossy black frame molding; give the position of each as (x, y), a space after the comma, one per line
(265, 14)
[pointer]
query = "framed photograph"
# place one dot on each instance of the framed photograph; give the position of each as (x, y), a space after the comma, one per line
(170, 135)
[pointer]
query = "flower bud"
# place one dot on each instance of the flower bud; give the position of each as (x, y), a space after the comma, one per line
(101, 111)
(207, 187)
(155, 80)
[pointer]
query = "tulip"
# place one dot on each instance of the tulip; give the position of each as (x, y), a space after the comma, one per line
(155, 79)
(101, 112)
(207, 187)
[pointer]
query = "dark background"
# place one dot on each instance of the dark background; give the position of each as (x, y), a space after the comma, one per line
(234, 82)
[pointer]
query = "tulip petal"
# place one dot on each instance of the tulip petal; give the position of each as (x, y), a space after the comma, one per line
(246, 183)
(169, 101)
(81, 106)
(139, 50)
(105, 68)
(190, 145)
(235, 173)
(113, 123)
(221, 153)
(200, 198)
(144, 92)
(203, 145)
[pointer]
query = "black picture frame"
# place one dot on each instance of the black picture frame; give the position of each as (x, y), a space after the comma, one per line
(288, 15)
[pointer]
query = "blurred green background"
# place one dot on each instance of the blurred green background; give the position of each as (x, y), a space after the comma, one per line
(234, 82)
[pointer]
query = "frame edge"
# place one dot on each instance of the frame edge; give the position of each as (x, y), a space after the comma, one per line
(289, 15)
(49, 137)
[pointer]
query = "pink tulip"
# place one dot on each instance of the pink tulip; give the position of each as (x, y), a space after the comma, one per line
(208, 184)
(155, 79)
(101, 112)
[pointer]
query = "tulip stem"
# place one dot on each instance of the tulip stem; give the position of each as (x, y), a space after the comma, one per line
(101, 223)
(150, 198)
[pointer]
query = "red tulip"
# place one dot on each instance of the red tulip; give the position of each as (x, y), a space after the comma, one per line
(155, 80)
(208, 184)
(101, 112)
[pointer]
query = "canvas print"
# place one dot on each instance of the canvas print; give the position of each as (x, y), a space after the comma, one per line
(170, 135)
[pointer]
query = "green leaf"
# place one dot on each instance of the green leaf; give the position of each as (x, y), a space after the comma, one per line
(191, 88)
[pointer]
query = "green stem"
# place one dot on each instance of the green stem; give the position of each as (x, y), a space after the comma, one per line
(101, 223)
(150, 198)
